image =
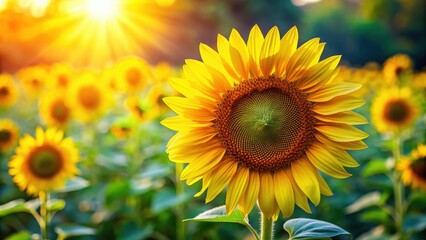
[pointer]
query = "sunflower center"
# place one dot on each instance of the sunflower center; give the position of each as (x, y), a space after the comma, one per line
(60, 111)
(45, 161)
(89, 96)
(62, 80)
(419, 168)
(4, 91)
(265, 123)
(5, 135)
(397, 111)
(133, 76)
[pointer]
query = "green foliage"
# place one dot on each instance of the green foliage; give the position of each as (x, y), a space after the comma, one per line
(304, 228)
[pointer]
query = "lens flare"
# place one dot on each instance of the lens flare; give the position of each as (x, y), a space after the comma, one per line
(102, 10)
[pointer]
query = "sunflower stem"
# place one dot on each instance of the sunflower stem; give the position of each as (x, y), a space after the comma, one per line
(44, 226)
(267, 227)
(180, 227)
(398, 189)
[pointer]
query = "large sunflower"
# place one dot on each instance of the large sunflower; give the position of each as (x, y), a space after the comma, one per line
(55, 110)
(262, 118)
(394, 109)
(44, 163)
(413, 168)
(8, 91)
(9, 133)
(89, 96)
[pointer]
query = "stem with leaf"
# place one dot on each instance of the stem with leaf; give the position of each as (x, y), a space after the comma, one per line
(398, 188)
(44, 224)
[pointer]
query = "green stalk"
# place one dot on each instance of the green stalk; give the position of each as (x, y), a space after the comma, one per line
(398, 189)
(44, 224)
(267, 227)
(180, 227)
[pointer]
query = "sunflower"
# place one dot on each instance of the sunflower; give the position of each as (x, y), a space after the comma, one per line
(45, 162)
(61, 75)
(55, 110)
(34, 80)
(133, 74)
(262, 118)
(89, 97)
(138, 109)
(9, 133)
(8, 91)
(394, 109)
(397, 66)
(413, 168)
(155, 95)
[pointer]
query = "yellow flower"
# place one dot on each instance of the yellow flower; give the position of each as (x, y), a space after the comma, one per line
(162, 72)
(8, 91)
(138, 109)
(55, 110)
(89, 96)
(60, 76)
(413, 168)
(34, 80)
(396, 66)
(394, 109)
(45, 162)
(262, 118)
(9, 133)
(155, 95)
(133, 74)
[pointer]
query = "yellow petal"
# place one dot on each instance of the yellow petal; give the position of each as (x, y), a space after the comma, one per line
(324, 188)
(326, 162)
(303, 173)
(330, 91)
(249, 198)
(284, 193)
(189, 109)
(319, 74)
(301, 60)
(204, 163)
(178, 123)
(341, 132)
(221, 176)
(299, 196)
(347, 117)
(288, 46)
(338, 104)
(266, 198)
(270, 49)
(239, 54)
(254, 45)
(225, 55)
(354, 145)
(206, 183)
(344, 157)
(236, 188)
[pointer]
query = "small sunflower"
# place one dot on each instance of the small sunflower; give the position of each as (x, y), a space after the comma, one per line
(55, 110)
(262, 118)
(89, 97)
(8, 91)
(9, 134)
(394, 109)
(133, 74)
(34, 79)
(413, 168)
(155, 95)
(397, 66)
(45, 162)
(60, 76)
(138, 109)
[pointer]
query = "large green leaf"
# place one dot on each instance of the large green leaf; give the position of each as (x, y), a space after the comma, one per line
(305, 228)
(375, 167)
(18, 205)
(71, 230)
(218, 214)
(22, 235)
(55, 205)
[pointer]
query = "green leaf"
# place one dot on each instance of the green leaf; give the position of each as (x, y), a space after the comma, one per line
(14, 206)
(74, 184)
(415, 223)
(375, 167)
(55, 205)
(71, 230)
(218, 214)
(305, 228)
(117, 190)
(22, 235)
(375, 216)
(131, 230)
(365, 201)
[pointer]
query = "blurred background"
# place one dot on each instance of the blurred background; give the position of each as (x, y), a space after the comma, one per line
(52, 51)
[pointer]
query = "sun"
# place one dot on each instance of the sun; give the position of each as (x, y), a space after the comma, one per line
(102, 10)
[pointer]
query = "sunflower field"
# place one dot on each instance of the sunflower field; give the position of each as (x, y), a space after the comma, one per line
(226, 119)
